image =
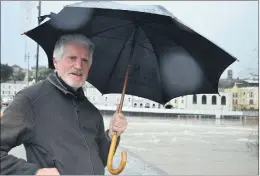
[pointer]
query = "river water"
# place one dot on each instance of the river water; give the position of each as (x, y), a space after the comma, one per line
(194, 146)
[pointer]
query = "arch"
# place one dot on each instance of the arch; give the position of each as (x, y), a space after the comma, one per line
(214, 100)
(147, 105)
(135, 105)
(194, 99)
(223, 100)
(168, 106)
(204, 99)
(141, 105)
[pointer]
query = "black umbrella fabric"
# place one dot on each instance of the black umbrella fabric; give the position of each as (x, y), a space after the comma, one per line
(143, 50)
(168, 59)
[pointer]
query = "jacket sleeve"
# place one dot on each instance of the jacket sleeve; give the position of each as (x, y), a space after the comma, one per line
(104, 142)
(16, 125)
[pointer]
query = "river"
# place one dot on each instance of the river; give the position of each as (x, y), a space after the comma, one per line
(194, 146)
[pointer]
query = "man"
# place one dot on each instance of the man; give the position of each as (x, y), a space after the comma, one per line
(63, 133)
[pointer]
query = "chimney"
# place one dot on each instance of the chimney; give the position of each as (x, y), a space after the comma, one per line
(230, 74)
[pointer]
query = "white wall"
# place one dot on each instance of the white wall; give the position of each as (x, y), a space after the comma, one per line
(10, 89)
(209, 105)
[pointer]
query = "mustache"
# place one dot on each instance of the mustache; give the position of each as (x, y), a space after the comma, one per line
(78, 72)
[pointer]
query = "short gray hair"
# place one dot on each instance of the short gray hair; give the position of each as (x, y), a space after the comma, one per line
(75, 38)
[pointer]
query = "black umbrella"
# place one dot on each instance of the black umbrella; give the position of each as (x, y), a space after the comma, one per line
(143, 47)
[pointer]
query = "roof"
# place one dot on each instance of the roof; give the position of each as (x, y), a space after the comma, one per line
(39, 67)
(229, 83)
(16, 66)
(251, 81)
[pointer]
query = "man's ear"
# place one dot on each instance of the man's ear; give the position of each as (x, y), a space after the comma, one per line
(54, 62)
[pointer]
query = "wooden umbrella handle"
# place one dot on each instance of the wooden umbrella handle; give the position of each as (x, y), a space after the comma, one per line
(111, 155)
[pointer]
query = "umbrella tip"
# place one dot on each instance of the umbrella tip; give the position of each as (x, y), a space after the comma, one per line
(22, 33)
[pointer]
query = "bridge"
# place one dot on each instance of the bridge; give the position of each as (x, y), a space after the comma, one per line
(154, 112)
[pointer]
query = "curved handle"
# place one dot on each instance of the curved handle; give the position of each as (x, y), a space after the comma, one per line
(111, 155)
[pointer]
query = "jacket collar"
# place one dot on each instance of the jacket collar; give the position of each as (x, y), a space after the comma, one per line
(63, 87)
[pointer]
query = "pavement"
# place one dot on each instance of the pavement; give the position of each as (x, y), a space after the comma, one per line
(134, 166)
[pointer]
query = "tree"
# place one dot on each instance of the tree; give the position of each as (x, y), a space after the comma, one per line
(45, 73)
(6, 72)
(20, 76)
(254, 75)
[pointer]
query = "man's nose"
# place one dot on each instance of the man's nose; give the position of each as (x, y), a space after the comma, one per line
(78, 64)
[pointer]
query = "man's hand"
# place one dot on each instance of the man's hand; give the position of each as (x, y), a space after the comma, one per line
(48, 171)
(118, 123)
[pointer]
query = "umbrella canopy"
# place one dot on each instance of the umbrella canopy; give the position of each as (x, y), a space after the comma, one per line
(168, 58)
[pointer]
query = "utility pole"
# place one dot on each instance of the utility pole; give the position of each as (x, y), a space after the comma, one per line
(37, 52)
(27, 58)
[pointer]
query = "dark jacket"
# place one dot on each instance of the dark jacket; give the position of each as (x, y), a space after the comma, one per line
(59, 128)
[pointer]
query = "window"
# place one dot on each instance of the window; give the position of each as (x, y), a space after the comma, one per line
(141, 105)
(251, 95)
(175, 101)
(251, 101)
(129, 99)
(194, 99)
(214, 100)
(182, 101)
(204, 99)
(223, 100)
(135, 105)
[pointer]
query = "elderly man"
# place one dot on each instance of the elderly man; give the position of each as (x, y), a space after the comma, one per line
(63, 133)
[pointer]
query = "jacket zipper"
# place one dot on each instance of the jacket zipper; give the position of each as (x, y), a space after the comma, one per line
(77, 110)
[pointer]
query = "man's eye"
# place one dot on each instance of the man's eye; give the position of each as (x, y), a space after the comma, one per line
(85, 60)
(72, 57)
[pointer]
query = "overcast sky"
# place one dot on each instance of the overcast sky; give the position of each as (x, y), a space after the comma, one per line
(231, 25)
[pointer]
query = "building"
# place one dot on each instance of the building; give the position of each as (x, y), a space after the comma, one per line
(214, 102)
(112, 100)
(16, 69)
(244, 95)
(10, 89)
(41, 70)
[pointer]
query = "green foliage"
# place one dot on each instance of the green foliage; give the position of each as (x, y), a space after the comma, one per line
(6, 72)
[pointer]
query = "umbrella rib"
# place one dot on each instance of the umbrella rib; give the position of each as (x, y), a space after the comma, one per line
(157, 56)
(110, 37)
(118, 39)
(138, 42)
(146, 47)
(110, 29)
(114, 65)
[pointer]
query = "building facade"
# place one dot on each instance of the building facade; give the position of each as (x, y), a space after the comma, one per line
(244, 96)
(235, 98)
(10, 89)
(214, 102)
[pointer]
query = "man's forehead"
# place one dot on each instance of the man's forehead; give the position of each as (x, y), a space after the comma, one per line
(75, 47)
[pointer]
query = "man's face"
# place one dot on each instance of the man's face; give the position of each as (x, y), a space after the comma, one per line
(73, 67)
